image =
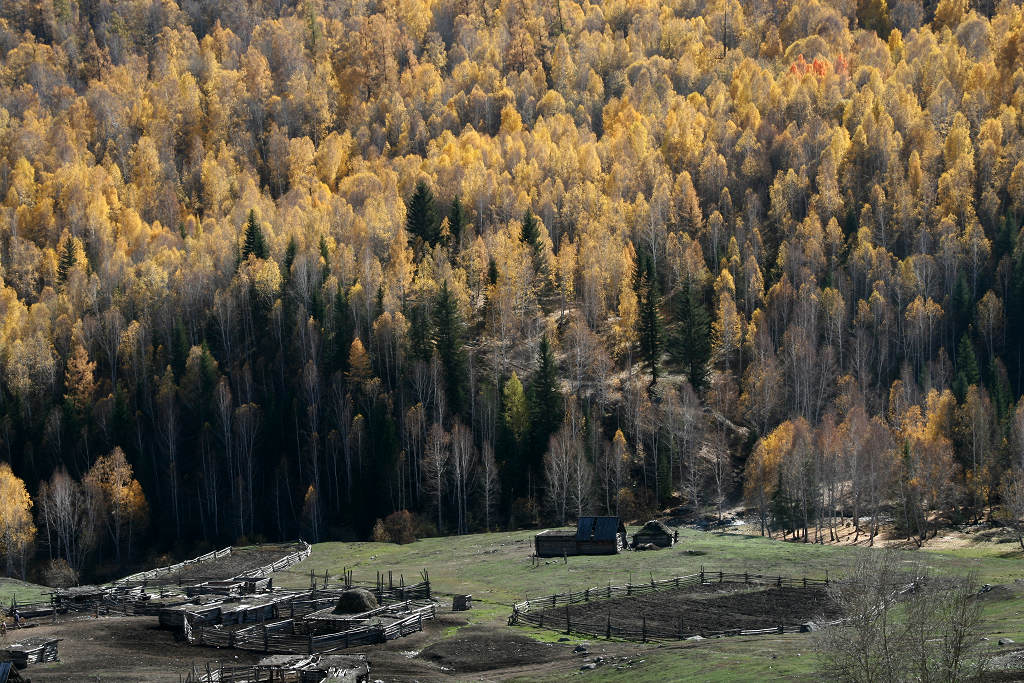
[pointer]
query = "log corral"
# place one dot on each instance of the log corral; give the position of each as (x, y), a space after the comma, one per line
(708, 604)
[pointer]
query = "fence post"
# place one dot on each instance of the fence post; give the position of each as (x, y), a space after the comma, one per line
(746, 577)
(720, 575)
(644, 633)
(702, 574)
(805, 582)
(608, 627)
(266, 641)
(781, 628)
(586, 595)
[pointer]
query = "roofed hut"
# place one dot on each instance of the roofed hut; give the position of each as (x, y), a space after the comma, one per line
(593, 536)
(656, 533)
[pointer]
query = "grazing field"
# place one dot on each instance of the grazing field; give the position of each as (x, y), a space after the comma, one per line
(497, 570)
(22, 590)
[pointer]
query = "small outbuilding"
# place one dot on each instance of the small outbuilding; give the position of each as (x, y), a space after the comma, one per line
(656, 533)
(593, 536)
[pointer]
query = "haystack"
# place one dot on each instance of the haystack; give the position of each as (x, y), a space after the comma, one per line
(355, 601)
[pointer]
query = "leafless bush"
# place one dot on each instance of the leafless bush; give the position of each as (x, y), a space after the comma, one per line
(903, 622)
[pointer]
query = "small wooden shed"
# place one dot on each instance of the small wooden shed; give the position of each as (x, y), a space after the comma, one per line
(655, 532)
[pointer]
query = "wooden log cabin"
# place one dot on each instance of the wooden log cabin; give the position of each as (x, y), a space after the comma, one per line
(593, 536)
(655, 533)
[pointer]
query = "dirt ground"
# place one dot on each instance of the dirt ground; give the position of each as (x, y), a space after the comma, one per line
(481, 649)
(122, 649)
(115, 649)
(230, 566)
(692, 613)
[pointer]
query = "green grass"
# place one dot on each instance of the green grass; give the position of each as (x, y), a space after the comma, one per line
(496, 569)
(24, 592)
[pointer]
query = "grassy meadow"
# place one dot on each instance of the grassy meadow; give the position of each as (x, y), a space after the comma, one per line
(497, 570)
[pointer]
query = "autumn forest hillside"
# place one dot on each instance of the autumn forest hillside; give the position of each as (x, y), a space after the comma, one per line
(274, 268)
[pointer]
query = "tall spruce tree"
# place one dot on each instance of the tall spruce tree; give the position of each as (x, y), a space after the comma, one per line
(449, 340)
(68, 259)
(254, 242)
(967, 370)
(530, 234)
(649, 322)
(547, 406)
(456, 222)
(690, 339)
(421, 217)
(342, 331)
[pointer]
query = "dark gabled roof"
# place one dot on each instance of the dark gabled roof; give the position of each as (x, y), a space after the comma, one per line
(597, 528)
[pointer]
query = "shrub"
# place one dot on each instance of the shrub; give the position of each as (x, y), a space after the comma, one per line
(402, 527)
(59, 574)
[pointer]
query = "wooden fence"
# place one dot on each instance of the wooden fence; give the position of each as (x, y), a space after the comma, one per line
(533, 611)
(151, 574)
(279, 637)
(280, 564)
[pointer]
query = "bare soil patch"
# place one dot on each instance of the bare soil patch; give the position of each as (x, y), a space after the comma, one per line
(125, 649)
(478, 649)
(237, 562)
(673, 613)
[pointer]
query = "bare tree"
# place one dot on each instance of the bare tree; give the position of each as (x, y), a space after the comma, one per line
(902, 623)
(463, 460)
(247, 427)
(557, 466)
(435, 466)
(489, 482)
(64, 512)
(1012, 493)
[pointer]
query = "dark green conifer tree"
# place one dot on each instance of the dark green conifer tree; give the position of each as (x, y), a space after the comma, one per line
(547, 407)
(690, 340)
(420, 334)
(649, 323)
(342, 332)
(254, 242)
(530, 234)
(967, 370)
(421, 217)
(289, 259)
(449, 340)
(68, 259)
(456, 222)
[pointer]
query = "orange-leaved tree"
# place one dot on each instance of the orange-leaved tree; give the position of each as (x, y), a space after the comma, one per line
(17, 532)
(116, 498)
